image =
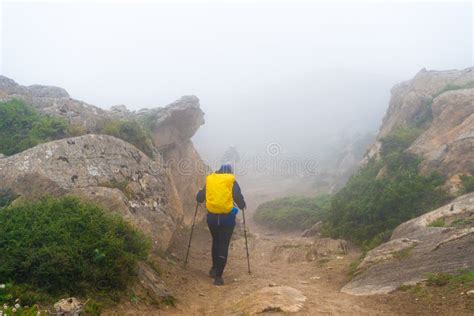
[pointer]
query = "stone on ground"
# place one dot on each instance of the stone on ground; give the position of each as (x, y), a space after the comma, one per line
(271, 299)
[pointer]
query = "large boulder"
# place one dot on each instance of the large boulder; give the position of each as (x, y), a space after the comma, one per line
(442, 103)
(172, 128)
(102, 169)
(441, 241)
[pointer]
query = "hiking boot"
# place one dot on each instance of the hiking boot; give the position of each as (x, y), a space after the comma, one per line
(218, 281)
(212, 273)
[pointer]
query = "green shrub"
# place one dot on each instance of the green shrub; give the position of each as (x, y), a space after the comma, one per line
(65, 246)
(291, 213)
(403, 254)
(399, 140)
(437, 223)
(464, 277)
(438, 279)
(369, 207)
(451, 87)
(131, 132)
(467, 183)
(21, 127)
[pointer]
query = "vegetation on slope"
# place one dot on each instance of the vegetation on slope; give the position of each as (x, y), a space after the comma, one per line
(442, 289)
(21, 127)
(375, 200)
(384, 194)
(132, 132)
(65, 247)
(291, 213)
(451, 87)
(467, 183)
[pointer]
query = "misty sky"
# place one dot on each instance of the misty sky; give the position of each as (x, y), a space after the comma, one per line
(298, 74)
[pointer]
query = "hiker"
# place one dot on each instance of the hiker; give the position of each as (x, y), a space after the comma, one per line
(220, 193)
(231, 156)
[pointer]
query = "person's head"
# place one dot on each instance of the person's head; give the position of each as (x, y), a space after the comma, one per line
(225, 168)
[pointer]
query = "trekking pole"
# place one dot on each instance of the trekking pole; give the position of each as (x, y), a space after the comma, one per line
(191, 236)
(246, 244)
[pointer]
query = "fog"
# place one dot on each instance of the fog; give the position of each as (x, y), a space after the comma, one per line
(302, 75)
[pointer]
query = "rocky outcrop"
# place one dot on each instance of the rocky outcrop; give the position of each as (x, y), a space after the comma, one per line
(441, 241)
(102, 169)
(55, 101)
(442, 104)
(174, 123)
(171, 127)
(410, 97)
(447, 146)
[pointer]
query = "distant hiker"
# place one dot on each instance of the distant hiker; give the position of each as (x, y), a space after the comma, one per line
(220, 193)
(231, 156)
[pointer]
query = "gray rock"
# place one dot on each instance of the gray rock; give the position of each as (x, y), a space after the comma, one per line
(151, 284)
(119, 108)
(304, 249)
(283, 299)
(47, 91)
(102, 169)
(416, 249)
(68, 307)
(315, 230)
(446, 146)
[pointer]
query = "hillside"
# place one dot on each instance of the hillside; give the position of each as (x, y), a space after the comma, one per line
(129, 163)
(406, 213)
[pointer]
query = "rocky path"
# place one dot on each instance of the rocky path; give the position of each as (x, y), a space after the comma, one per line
(317, 283)
(280, 279)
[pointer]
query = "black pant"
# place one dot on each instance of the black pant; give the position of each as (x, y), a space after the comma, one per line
(221, 235)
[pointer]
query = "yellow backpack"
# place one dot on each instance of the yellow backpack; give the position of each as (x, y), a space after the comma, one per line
(219, 198)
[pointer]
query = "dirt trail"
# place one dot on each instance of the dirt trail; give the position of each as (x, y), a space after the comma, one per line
(319, 280)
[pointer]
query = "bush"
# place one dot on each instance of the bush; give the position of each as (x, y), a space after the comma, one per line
(437, 223)
(21, 127)
(369, 207)
(291, 213)
(467, 183)
(131, 132)
(65, 246)
(399, 140)
(451, 87)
